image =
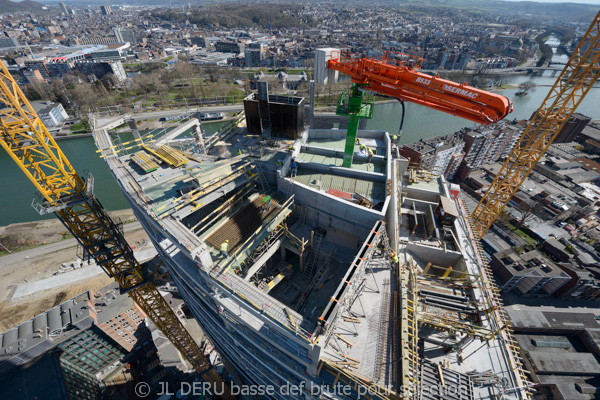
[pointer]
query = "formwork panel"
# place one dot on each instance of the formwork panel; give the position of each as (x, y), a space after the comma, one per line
(242, 225)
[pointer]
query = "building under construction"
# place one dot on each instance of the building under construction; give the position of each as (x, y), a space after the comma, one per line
(319, 265)
(367, 278)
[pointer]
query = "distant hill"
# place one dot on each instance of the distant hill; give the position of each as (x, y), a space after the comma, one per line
(526, 9)
(7, 6)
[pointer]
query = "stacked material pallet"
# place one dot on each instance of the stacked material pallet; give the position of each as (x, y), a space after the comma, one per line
(171, 156)
(143, 161)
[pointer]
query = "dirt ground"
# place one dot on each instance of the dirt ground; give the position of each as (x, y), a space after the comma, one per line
(12, 314)
(43, 266)
(27, 234)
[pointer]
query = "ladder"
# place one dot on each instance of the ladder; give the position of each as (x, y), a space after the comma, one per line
(303, 210)
(314, 254)
(290, 187)
(261, 177)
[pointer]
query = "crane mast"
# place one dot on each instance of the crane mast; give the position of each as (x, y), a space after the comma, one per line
(575, 81)
(63, 192)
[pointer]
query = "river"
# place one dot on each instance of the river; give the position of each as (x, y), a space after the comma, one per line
(18, 192)
(419, 123)
(422, 123)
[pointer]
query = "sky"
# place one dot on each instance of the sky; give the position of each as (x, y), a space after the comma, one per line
(596, 2)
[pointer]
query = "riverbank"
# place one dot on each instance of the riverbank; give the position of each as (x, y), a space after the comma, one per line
(27, 235)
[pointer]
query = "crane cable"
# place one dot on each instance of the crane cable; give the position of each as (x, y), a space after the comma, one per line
(390, 97)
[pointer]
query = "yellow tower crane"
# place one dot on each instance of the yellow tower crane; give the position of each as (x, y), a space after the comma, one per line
(28, 142)
(577, 78)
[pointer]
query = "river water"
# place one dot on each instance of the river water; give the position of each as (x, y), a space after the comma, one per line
(17, 191)
(419, 123)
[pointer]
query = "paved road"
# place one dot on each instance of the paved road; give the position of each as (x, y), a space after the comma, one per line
(172, 112)
(22, 256)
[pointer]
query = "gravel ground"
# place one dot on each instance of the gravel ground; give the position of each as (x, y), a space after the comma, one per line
(43, 265)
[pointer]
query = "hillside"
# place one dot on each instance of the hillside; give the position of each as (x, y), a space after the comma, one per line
(7, 6)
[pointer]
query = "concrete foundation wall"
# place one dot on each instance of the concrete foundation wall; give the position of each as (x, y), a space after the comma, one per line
(422, 194)
(442, 258)
(325, 210)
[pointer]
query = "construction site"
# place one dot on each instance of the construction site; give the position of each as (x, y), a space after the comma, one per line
(317, 258)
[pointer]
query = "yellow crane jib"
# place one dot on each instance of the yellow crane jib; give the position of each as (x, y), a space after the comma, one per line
(575, 81)
(28, 142)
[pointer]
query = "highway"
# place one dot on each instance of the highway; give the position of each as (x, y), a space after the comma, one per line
(146, 115)
(22, 256)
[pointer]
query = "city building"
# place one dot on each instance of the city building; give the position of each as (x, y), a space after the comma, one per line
(63, 8)
(322, 73)
(572, 128)
(269, 279)
(100, 68)
(229, 47)
(489, 144)
(454, 165)
(112, 52)
(583, 285)
(529, 274)
(105, 10)
(435, 154)
(40, 66)
(30, 76)
(125, 36)
(62, 354)
(451, 61)
(254, 54)
(560, 351)
(51, 114)
(212, 58)
(119, 317)
(8, 42)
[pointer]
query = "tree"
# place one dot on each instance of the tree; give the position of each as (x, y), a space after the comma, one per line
(525, 87)
(110, 80)
(528, 211)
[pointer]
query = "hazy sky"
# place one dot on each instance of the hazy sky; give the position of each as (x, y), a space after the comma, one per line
(597, 2)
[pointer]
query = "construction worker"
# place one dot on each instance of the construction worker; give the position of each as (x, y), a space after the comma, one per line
(239, 152)
(395, 138)
(294, 170)
(357, 141)
(225, 248)
(266, 203)
(363, 150)
(371, 154)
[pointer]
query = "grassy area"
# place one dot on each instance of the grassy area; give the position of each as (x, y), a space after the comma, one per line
(525, 236)
(80, 127)
(133, 66)
(521, 233)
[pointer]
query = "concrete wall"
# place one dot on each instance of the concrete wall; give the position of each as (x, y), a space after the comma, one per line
(442, 258)
(327, 121)
(422, 194)
(325, 210)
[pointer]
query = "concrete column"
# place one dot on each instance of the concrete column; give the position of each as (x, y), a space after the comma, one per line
(311, 116)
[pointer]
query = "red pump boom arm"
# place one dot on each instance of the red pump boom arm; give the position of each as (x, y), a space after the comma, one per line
(397, 75)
